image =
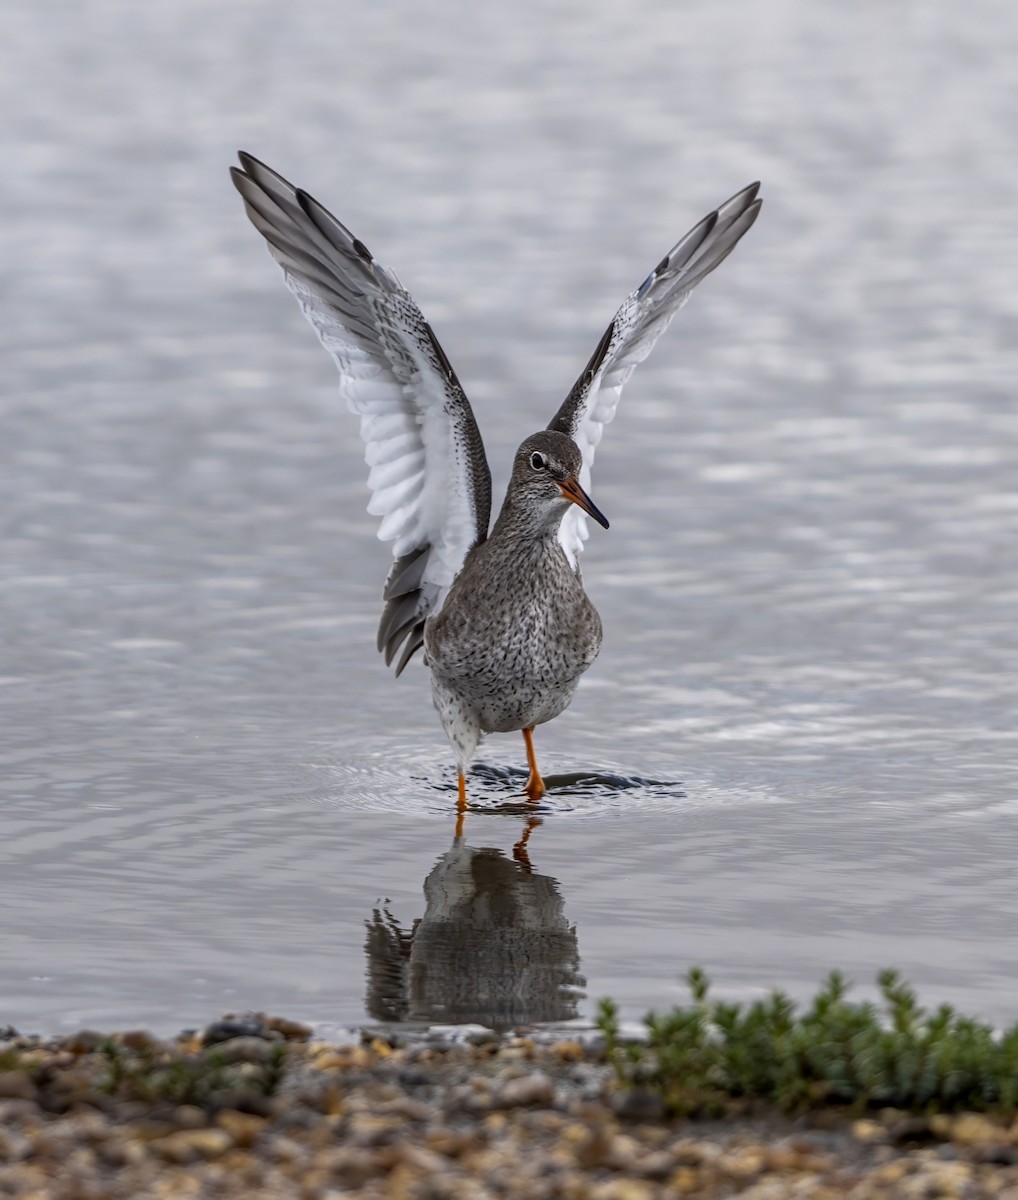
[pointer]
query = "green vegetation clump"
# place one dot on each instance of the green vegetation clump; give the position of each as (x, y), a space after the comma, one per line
(704, 1058)
(208, 1079)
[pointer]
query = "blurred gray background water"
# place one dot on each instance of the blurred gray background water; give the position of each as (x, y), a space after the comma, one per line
(210, 783)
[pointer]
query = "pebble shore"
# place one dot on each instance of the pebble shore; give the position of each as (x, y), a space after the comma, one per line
(256, 1108)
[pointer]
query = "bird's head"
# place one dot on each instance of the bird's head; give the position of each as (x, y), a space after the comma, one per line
(546, 477)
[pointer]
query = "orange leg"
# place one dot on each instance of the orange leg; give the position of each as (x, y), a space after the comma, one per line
(535, 784)
(461, 802)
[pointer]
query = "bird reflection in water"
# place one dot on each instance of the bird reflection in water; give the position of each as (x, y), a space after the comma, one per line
(493, 948)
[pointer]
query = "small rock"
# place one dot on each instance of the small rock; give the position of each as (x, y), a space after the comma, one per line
(686, 1181)
(483, 1037)
(366, 1129)
(242, 1127)
(189, 1116)
(638, 1104)
(463, 1097)
(999, 1155)
(657, 1166)
(593, 1145)
(85, 1041)
(292, 1031)
(970, 1129)
(622, 1189)
(622, 1155)
(947, 1180)
(743, 1165)
(255, 1103)
(17, 1112)
(868, 1132)
(427, 1162)
(192, 1145)
(893, 1172)
(449, 1143)
(915, 1130)
(137, 1039)
(15, 1085)
(233, 1027)
(247, 1049)
(514, 1054)
(532, 1089)
(331, 1060)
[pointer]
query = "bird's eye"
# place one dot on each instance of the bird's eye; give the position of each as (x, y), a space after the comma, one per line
(538, 461)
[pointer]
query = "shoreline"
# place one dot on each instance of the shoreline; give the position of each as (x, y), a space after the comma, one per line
(255, 1107)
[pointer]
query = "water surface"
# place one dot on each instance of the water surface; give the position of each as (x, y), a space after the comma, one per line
(214, 795)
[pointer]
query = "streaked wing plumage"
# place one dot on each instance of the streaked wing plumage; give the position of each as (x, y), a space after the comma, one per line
(428, 475)
(643, 317)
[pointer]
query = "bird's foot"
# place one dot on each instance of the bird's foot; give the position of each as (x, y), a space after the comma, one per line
(535, 788)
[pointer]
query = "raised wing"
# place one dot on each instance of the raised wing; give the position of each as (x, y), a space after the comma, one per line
(643, 317)
(428, 475)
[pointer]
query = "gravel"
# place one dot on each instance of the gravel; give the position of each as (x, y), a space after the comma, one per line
(254, 1107)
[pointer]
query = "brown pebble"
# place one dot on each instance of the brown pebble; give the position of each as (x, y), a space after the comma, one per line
(622, 1189)
(85, 1041)
(190, 1116)
(657, 1165)
(15, 1085)
(292, 1031)
(137, 1039)
(192, 1145)
(969, 1129)
(242, 1127)
(425, 1161)
(536, 1088)
(868, 1131)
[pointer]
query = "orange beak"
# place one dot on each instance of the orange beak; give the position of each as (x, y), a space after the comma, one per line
(572, 491)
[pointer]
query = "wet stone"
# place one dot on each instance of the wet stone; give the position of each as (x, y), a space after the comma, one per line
(233, 1027)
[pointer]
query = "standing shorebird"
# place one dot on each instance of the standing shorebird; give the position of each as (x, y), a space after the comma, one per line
(506, 626)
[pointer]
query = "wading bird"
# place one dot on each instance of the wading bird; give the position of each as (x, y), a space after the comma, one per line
(506, 626)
